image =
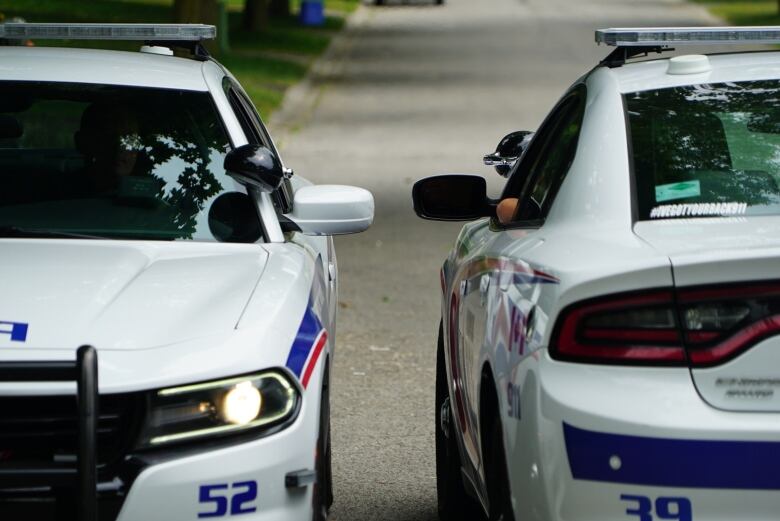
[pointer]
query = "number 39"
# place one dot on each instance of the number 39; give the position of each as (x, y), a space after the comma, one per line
(678, 508)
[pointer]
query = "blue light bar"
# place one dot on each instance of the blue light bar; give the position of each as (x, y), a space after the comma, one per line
(126, 32)
(665, 36)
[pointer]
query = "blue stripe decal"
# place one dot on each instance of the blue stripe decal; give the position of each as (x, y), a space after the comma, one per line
(660, 462)
(304, 340)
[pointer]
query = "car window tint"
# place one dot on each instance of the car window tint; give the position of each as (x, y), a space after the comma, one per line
(706, 150)
(550, 161)
(120, 162)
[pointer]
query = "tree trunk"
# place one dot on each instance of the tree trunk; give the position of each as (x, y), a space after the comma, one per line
(201, 12)
(255, 15)
(196, 11)
(281, 8)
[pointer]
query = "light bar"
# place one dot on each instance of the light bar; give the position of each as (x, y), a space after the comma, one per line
(143, 32)
(665, 36)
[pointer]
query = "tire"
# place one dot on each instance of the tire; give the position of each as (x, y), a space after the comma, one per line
(454, 504)
(323, 488)
(439, 2)
(497, 477)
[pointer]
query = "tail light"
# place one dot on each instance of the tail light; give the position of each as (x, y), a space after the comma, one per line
(632, 328)
(722, 322)
(697, 326)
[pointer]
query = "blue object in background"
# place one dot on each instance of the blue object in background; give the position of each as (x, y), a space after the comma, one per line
(312, 12)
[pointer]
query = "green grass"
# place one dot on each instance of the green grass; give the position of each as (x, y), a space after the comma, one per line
(744, 12)
(265, 63)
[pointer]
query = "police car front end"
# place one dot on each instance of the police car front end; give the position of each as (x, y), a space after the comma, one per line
(201, 411)
(199, 389)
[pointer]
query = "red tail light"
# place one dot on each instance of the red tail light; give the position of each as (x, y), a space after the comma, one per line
(722, 322)
(632, 328)
(704, 327)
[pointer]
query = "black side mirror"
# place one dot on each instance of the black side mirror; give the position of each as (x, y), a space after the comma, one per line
(452, 197)
(508, 151)
(256, 166)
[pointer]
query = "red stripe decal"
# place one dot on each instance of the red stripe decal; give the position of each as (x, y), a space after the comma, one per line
(319, 344)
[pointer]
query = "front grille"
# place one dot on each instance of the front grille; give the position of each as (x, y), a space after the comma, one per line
(43, 430)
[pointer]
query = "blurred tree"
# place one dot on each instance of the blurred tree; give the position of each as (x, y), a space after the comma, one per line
(196, 11)
(256, 14)
(282, 7)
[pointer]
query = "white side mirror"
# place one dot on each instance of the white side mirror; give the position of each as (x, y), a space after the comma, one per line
(332, 209)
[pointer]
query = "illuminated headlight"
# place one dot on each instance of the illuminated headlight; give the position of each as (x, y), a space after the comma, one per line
(232, 405)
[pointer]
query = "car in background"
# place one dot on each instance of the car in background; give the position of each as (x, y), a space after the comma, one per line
(168, 303)
(609, 345)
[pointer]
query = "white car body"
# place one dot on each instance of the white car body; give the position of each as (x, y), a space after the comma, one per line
(609, 442)
(175, 313)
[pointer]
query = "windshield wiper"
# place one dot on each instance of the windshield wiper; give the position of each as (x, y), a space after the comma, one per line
(16, 231)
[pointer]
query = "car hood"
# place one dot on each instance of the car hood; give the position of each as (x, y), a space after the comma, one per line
(121, 295)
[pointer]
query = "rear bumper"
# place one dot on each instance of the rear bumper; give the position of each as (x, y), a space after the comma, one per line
(600, 442)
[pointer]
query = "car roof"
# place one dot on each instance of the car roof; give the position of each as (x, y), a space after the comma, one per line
(652, 74)
(100, 67)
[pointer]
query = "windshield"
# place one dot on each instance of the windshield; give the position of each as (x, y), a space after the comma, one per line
(706, 150)
(116, 162)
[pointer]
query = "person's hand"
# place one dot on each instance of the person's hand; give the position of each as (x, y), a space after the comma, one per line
(505, 211)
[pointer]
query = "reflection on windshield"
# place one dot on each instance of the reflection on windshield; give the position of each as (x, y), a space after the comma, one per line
(120, 162)
(706, 150)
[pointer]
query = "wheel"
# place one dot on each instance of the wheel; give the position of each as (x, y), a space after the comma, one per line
(323, 489)
(379, 2)
(439, 2)
(497, 477)
(454, 503)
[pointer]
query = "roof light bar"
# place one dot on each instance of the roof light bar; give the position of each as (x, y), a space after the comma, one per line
(142, 32)
(664, 36)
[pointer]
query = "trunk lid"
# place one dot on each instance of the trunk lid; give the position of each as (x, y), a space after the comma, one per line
(727, 279)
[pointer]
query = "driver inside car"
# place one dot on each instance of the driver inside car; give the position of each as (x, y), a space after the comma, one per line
(109, 140)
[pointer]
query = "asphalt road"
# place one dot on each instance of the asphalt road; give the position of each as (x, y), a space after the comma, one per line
(412, 90)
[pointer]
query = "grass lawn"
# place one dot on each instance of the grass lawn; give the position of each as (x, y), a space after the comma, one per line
(744, 12)
(265, 63)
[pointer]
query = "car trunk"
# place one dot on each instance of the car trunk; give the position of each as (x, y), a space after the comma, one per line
(727, 287)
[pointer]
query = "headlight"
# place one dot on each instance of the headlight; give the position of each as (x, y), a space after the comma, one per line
(217, 408)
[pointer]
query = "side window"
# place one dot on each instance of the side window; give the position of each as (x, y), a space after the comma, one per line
(548, 162)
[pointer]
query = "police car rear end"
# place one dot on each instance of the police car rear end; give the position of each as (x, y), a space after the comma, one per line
(625, 336)
(145, 216)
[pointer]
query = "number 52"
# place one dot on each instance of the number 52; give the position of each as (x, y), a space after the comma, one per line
(678, 508)
(242, 496)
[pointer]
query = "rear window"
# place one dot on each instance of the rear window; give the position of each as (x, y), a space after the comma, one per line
(706, 150)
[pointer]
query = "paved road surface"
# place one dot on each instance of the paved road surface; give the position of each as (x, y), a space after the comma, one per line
(411, 91)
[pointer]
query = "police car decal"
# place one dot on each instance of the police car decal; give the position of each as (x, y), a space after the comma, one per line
(308, 345)
(663, 462)
(16, 331)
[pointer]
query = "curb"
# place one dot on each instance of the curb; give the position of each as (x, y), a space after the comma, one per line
(301, 100)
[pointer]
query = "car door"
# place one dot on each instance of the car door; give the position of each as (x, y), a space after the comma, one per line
(503, 284)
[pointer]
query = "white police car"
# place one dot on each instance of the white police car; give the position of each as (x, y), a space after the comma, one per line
(145, 216)
(609, 344)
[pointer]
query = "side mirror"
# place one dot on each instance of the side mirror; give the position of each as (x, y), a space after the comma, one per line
(452, 197)
(332, 209)
(256, 166)
(508, 151)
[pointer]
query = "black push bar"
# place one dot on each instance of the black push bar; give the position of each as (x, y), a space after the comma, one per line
(85, 372)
